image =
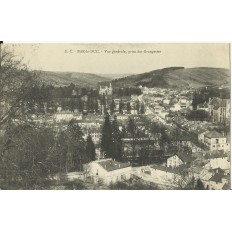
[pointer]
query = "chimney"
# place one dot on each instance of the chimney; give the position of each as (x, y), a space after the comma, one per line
(119, 165)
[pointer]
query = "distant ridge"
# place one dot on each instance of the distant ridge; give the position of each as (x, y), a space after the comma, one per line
(77, 78)
(177, 77)
(172, 77)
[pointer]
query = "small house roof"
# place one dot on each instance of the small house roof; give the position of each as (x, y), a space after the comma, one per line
(186, 158)
(217, 177)
(111, 165)
(164, 168)
(214, 134)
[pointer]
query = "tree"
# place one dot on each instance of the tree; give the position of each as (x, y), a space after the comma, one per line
(90, 104)
(27, 158)
(199, 185)
(142, 110)
(112, 107)
(106, 140)
(117, 140)
(137, 106)
(128, 107)
(62, 150)
(165, 139)
(184, 179)
(80, 105)
(96, 107)
(76, 145)
(18, 96)
(133, 132)
(26, 150)
(121, 107)
(198, 115)
(90, 149)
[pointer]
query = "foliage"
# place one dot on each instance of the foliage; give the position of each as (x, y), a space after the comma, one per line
(117, 140)
(75, 185)
(198, 115)
(199, 185)
(121, 105)
(21, 93)
(132, 185)
(76, 145)
(90, 149)
(27, 156)
(112, 107)
(106, 140)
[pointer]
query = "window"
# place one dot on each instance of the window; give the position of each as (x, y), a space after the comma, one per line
(217, 140)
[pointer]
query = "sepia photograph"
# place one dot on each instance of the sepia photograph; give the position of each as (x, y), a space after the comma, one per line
(115, 116)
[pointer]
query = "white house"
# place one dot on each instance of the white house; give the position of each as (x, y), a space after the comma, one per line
(63, 116)
(216, 141)
(166, 101)
(217, 161)
(108, 171)
(179, 159)
(94, 133)
(175, 107)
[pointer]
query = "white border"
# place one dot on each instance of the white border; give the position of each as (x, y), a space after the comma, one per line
(115, 21)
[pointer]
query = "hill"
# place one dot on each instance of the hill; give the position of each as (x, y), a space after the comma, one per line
(177, 77)
(77, 78)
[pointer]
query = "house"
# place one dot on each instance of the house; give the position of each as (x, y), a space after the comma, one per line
(217, 160)
(203, 106)
(183, 103)
(216, 141)
(166, 101)
(95, 133)
(219, 109)
(63, 116)
(134, 111)
(179, 159)
(108, 171)
(183, 141)
(163, 114)
(218, 181)
(91, 121)
(99, 154)
(201, 135)
(175, 107)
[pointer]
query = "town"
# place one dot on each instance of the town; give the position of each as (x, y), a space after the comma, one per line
(165, 138)
(153, 130)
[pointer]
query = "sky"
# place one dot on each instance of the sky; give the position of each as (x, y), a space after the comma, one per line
(121, 58)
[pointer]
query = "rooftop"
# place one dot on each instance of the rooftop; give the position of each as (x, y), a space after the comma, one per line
(164, 168)
(186, 158)
(214, 134)
(216, 155)
(217, 177)
(111, 165)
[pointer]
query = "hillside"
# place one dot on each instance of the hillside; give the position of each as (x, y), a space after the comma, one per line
(65, 78)
(177, 77)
